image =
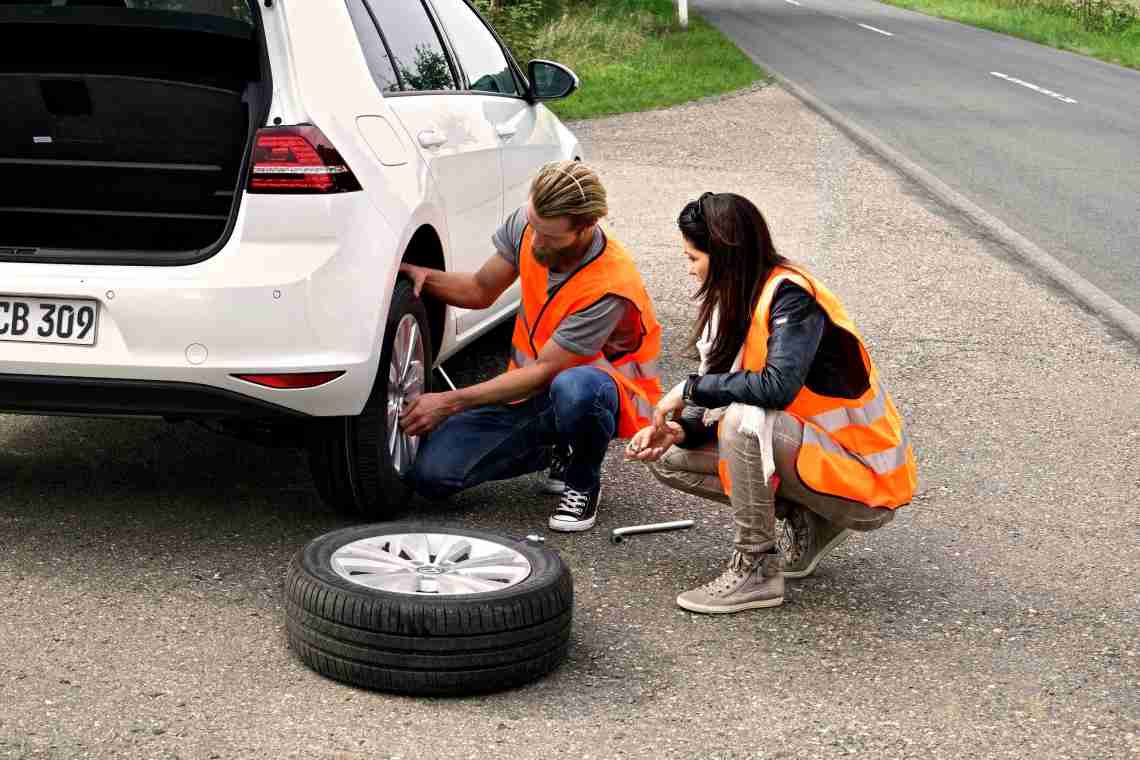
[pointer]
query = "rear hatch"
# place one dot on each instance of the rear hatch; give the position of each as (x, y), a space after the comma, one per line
(127, 127)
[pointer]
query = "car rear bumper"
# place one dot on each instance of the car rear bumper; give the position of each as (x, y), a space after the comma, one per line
(302, 286)
(36, 394)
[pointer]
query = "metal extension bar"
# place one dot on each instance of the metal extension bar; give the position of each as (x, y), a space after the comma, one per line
(620, 534)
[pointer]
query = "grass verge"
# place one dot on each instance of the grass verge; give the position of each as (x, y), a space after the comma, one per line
(632, 55)
(1104, 29)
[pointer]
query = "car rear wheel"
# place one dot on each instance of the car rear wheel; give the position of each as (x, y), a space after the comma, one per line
(361, 464)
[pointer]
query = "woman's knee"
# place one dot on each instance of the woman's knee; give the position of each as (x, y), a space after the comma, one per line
(851, 515)
(666, 468)
(787, 431)
(731, 439)
(872, 519)
(684, 480)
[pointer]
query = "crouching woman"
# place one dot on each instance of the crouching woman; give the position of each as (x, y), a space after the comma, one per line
(787, 417)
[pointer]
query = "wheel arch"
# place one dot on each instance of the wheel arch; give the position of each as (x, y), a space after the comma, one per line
(425, 249)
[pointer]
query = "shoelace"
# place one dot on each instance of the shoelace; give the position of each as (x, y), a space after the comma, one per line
(573, 501)
(724, 582)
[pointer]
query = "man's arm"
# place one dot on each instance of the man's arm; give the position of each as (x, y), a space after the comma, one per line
(470, 291)
(428, 411)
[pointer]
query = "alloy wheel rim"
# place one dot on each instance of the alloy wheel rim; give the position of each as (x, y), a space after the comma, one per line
(406, 380)
(438, 564)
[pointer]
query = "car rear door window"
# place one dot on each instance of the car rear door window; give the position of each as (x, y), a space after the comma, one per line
(414, 45)
(478, 51)
(375, 53)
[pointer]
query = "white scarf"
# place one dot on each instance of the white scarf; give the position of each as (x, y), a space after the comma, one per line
(754, 420)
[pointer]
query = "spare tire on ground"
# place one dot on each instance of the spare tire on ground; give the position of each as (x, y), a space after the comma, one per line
(421, 609)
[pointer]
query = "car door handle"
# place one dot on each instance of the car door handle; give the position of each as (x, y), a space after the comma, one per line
(506, 131)
(429, 138)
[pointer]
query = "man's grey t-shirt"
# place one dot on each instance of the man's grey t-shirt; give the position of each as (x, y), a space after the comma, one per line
(612, 325)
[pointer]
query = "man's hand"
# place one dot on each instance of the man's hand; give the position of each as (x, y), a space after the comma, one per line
(650, 443)
(417, 275)
(672, 403)
(427, 412)
(464, 289)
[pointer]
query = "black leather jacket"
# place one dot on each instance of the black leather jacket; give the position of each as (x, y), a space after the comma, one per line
(797, 327)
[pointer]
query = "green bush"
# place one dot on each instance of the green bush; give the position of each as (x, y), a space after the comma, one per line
(1106, 16)
(1103, 16)
(518, 22)
(1104, 29)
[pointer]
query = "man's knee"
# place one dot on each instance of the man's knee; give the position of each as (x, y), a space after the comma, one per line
(580, 391)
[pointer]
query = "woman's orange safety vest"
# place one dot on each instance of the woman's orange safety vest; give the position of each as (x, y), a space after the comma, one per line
(610, 273)
(853, 448)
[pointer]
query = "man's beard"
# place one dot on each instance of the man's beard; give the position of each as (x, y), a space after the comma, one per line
(551, 258)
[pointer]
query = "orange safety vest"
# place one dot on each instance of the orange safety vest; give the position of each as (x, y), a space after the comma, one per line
(610, 273)
(853, 448)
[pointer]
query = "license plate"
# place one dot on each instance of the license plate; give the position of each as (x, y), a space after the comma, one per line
(48, 320)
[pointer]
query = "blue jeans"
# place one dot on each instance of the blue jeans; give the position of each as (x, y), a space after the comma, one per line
(501, 441)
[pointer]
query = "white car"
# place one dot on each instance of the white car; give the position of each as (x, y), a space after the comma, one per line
(206, 203)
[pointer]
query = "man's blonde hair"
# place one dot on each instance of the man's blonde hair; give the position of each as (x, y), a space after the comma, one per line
(569, 188)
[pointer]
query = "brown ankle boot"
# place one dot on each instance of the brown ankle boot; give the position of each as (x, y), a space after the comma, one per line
(805, 539)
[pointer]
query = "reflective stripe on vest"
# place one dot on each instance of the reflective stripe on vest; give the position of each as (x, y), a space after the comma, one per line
(519, 359)
(855, 449)
(611, 273)
(882, 462)
(844, 416)
(634, 371)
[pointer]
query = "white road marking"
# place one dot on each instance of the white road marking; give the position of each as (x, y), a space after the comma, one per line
(1042, 90)
(845, 18)
(876, 29)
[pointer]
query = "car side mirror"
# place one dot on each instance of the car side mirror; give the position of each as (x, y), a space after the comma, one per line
(550, 80)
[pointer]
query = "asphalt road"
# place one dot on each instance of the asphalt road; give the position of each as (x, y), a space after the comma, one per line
(141, 613)
(1046, 141)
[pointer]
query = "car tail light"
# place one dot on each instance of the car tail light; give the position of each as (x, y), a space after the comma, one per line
(298, 160)
(292, 380)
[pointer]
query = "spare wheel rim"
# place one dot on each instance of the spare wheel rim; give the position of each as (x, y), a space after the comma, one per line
(436, 564)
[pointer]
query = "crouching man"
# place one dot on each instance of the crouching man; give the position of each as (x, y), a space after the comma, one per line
(583, 365)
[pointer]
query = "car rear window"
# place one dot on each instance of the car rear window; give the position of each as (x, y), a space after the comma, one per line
(238, 10)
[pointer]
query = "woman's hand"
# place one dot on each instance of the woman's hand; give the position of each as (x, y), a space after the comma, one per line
(672, 403)
(650, 443)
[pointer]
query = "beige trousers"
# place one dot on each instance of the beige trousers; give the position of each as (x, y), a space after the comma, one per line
(754, 501)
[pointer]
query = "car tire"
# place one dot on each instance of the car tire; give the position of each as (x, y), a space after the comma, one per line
(354, 466)
(372, 607)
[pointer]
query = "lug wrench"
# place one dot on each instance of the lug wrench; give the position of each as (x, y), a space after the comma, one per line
(620, 534)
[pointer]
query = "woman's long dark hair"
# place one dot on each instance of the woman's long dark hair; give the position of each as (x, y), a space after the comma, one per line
(732, 231)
